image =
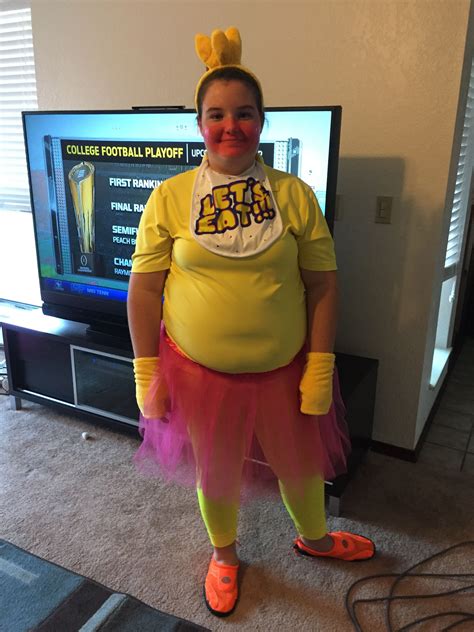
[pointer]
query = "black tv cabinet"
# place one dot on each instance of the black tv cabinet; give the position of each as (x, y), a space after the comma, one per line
(58, 363)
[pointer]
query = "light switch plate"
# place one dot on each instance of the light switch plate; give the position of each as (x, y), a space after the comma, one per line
(383, 209)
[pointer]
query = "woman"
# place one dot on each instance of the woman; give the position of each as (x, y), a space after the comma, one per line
(246, 264)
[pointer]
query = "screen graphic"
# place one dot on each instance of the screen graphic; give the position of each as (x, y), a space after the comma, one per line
(91, 174)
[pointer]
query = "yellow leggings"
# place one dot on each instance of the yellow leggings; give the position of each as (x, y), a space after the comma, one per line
(305, 506)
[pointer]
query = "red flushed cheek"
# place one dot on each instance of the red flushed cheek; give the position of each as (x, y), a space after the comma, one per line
(249, 135)
(211, 136)
(252, 132)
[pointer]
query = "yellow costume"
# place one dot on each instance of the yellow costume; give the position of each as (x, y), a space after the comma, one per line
(234, 315)
(233, 371)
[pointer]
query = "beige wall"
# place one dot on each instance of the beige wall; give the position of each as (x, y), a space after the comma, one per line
(394, 66)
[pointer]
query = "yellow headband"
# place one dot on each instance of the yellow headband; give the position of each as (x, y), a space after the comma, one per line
(221, 50)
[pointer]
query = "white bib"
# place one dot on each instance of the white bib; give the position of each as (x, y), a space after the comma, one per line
(234, 216)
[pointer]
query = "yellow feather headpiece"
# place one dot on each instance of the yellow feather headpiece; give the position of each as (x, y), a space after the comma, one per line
(222, 49)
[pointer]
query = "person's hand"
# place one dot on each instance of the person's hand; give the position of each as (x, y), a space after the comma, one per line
(316, 383)
(145, 370)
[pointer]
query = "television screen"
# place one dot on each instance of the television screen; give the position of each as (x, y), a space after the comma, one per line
(91, 174)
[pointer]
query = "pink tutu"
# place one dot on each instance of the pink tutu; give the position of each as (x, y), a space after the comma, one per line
(223, 430)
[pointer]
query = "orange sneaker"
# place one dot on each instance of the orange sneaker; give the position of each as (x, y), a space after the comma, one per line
(220, 589)
(347, 546)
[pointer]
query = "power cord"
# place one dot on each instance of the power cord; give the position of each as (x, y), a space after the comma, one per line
(391, 597)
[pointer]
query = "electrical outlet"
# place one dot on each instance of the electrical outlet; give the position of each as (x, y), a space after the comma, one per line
(383, 209)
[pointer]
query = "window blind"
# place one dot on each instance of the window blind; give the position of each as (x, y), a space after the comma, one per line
(461, 189)
(17, 93)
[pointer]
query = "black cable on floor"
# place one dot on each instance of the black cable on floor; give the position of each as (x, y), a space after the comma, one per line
(406, 573)
(454, 625)
(351, 609)
(438, 615)
(390, 598)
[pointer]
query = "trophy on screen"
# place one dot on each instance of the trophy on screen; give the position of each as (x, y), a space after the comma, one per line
(81, 184)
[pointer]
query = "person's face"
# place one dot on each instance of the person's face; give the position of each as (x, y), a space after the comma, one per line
(230, 125)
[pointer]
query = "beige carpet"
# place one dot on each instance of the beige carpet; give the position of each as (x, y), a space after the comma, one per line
(82, 505)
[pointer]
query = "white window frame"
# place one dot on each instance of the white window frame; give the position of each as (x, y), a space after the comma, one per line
(456, 237)
(17, 93)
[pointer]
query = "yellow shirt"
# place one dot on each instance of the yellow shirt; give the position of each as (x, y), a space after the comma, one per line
(235, 315)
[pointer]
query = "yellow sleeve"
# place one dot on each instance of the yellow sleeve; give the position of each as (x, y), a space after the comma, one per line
(154, 243)
(315, 244)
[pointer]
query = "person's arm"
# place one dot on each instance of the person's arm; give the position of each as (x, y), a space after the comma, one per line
(145, 295)
(144, 304)
(322, 307)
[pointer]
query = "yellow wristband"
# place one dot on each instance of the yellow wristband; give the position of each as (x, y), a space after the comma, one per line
(316, 383)
(144, 369)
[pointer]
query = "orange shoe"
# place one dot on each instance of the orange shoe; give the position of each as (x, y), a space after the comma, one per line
(347, 546)
(220, 589)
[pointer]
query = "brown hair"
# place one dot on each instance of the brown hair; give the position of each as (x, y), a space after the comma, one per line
(231, 73)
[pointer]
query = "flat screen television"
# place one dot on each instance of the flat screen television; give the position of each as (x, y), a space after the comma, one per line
(90, 176)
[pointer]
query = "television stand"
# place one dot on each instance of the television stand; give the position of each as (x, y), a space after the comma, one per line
(58, 363)
(108, 333)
